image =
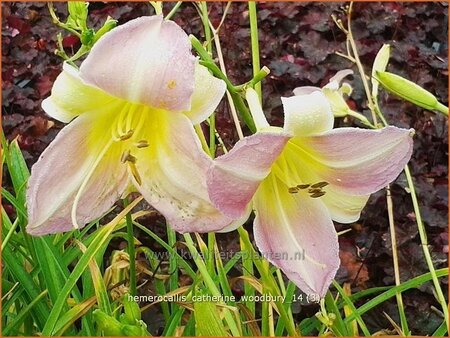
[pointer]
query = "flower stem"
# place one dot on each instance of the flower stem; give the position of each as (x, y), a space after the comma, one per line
(359, 64)
(255, 44)
(173, 10)
(131, 250)
(401, 309)
(424, 242)
(208, 38)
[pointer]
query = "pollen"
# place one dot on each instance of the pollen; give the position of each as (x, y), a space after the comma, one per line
(171, 84)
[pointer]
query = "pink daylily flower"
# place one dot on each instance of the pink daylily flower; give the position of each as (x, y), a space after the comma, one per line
(302, 177)
(132, 105)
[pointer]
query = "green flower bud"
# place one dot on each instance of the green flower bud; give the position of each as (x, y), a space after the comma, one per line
(410, 91)
(379, 65)
(109, 24)
(132, 312)
(134, 331)
(107, 324)
(87, 37)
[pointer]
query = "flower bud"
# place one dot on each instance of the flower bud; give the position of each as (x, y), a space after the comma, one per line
(107, 324)
(410, 91)
(379, 65)
(132, 312)
(109, 24)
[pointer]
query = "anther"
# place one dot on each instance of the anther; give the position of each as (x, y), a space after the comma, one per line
(318, 194)
(127, 157)
(127, 135)
(314, 191)
(293, 190)
(303, 186)
(320, 185)
(142, 144)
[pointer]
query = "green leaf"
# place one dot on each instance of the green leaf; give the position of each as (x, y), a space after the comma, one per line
(101, 237)
(207, 320)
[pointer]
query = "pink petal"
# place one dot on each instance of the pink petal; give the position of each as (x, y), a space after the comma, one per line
(173, 174)
(359, 161)
(295, 233)
(305, 90)
(234, 177)
(335, 81)
(208, 92)
(57, 176)
(147, 60)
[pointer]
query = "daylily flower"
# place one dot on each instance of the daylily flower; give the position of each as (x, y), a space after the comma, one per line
(300, 178)
(133, 103)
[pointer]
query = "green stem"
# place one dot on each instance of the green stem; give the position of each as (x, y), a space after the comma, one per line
(210, 257)
(424, 242)
(255, 44)
(131, 250)
(211, 285)
(174, 10)
(173, 266)
(208, 62)
(208, 37)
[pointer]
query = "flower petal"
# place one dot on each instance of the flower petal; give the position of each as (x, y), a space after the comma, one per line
(358, 161)
(305, 90)
(147, 60)
(307, 114)
(71, 96)
(208, 92)
(343, 208)
(234, 177)
(335, 81)
(172, 171)
(60, 172)
(295, 233)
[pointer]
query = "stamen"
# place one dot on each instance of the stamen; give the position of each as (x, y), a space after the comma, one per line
(127, 157)
(314, 191)
(293, 190)
(320, 185)
(318, 194)
(135, 172)
(130, 116)
(119, 125)
(142, 144)
(303, 186)
(142, 117)
(126, 136)
(85, 182)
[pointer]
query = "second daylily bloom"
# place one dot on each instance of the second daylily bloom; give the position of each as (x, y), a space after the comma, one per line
(133, 103)
(300, 178)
